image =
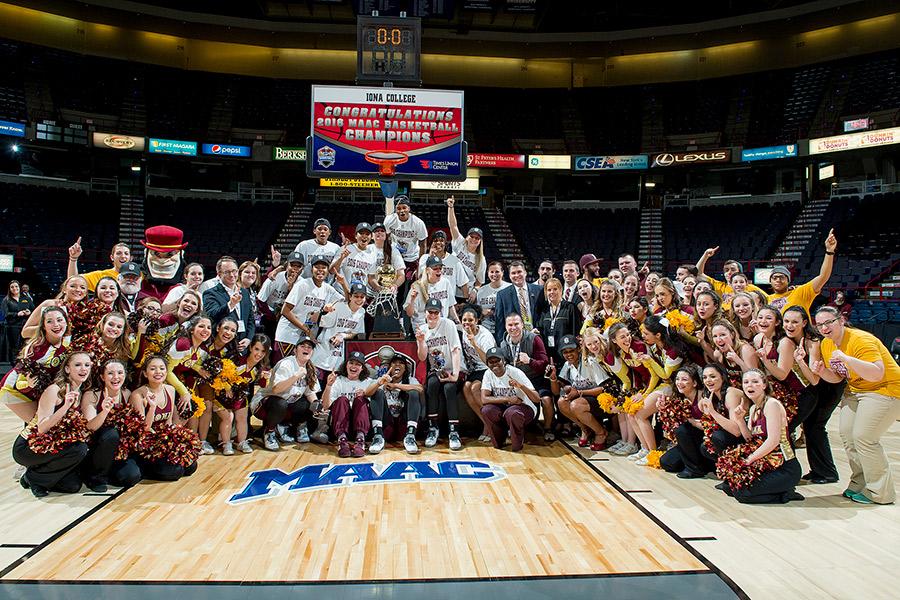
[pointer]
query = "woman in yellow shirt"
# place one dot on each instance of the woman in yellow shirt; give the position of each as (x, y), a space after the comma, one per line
(871, 407)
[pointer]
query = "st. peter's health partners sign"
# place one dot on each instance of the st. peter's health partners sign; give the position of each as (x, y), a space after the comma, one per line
(425, 125)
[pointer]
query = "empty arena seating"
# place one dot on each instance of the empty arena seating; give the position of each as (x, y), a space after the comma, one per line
(744, 232)
(569, 233)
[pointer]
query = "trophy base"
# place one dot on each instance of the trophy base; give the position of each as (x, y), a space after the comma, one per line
(387, 328)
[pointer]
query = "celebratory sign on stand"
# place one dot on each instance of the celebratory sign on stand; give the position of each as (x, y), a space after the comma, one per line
(386, 133)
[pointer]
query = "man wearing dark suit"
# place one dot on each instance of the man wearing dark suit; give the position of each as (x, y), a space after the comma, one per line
(508, 300)
(229, 299)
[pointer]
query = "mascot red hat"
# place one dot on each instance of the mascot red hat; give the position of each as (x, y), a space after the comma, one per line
(163, 238)
(163, 263)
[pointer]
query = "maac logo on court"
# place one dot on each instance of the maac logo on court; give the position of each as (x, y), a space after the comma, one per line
(272, 482)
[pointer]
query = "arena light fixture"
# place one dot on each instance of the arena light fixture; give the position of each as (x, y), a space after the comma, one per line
(14, 148)
(136, 168)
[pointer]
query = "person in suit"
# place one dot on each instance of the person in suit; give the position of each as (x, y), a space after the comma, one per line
(227, 298)
(509, 300)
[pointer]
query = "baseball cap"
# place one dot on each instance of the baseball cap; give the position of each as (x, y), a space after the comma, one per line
(495, 352)
(586, 260)
(324, 222)
(305, 339)
(357, 288)
(433, 261)
(363, 227)
(401, 199)
(476, 231)
(377, 226)
(439, 234)
(781, 270)
(319, 258)
(568, 342)
(357, 356)
(295, 257)
(130, 268)
(433, 304)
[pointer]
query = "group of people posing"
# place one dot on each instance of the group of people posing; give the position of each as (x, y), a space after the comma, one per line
(690, 374)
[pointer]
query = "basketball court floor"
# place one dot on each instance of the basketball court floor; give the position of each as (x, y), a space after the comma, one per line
(552, 521)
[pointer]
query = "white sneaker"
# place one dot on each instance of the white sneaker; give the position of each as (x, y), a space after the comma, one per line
(245, 447)
(270, 441)
(320, 435)
(302, 434)
(485, 439)
(227, 449)
(410, 445)
(284, 434)
(206, 448)
(627, 449)
(377, 444)
(432, 438)
(642, 462)
(642, 453)
(19, 472)
(455, 443)
(616, 447)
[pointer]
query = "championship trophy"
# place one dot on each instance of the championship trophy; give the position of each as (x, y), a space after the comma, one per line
(384, 307)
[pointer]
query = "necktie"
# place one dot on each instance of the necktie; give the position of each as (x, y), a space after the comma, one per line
(523, 309)
(568, 294)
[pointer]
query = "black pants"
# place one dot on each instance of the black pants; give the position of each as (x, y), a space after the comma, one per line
(56, 472)
(275, 410)
(807, 400)
(721, 441)
(124, 473)
(818, 450)
(378, 406)
(775, 487)
(95, 468)
(13, 335)
(162, 470)
(687, 455)
(437, 391)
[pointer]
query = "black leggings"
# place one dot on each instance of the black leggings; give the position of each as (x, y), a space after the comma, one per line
(807, 400)
(96, 467)
(818, 450)
(275, 410)
(774, 487)
(55, 472)
(436, 391)
(378, 406)
(687, 455)
(162, 470)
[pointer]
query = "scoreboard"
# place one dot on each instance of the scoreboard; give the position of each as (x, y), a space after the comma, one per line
(388, 49)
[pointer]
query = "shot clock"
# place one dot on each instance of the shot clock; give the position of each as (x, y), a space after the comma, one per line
(388, 49)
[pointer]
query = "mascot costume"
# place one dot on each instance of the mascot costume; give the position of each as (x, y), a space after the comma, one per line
(163, 264)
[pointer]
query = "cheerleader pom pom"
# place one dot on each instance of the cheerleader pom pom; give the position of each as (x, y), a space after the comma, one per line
(653, 459)
(730, 466)
(184, 446)
(632, 406)
(681, 321)
(672, 414)
(607, 402)
(227, 376)
(212, 365)
(130, 428)
(41, 375)
(135, 318)
(71, 429)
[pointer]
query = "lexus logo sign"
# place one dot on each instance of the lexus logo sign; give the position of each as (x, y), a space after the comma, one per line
(668, 159)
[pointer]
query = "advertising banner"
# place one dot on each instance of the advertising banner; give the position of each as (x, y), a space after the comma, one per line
(226, 150)
(386, 132)
(855, 141)
(549, 161)
(856, 124)
(288, 153)
(116, 141)
(769, 152)
(471, 184)
(349, 183)
(179, 147)
(610, 163)
(12, 128)
(681, 159)
(496, 161)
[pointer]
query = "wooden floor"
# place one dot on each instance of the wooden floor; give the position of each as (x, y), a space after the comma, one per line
(554, 514)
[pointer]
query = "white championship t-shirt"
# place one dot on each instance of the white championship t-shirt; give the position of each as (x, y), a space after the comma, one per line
(341, 320)
(499, 386)
(443, 290)
(485, 340)
(441, 341)
(467, 260)
(310, 248)
(452, 271)
(306, 299)
(406, 235)
(487, 300)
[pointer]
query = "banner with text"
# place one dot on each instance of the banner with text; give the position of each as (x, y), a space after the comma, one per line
(855, 141)
(349, 183)
(471, 184)
(358, 130)
(610, 163)
(682, 159)
(178, 147)
(226, 150)
(496, 161)
(12, 128)
(769, 152)
(288, 153)
(549, 161)
(116, 141)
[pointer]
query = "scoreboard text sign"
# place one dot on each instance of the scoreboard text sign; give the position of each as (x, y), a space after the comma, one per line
(423, 129)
